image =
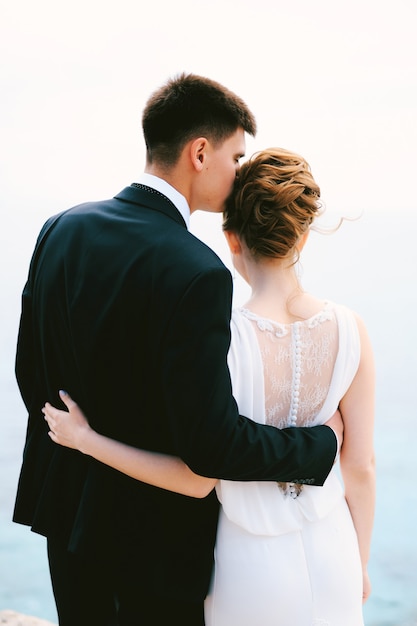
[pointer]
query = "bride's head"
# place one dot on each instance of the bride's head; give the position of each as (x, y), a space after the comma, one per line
(273, 204)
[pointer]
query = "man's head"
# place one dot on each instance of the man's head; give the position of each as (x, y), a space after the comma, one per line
(188, 107)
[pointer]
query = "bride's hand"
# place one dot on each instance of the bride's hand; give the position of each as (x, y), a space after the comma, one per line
(66, 428)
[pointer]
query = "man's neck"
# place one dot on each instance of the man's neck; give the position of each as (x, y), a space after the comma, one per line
(166, 188)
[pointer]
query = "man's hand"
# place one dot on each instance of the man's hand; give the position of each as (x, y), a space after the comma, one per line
(336, 424)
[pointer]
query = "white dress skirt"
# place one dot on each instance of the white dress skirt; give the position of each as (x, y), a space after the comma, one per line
(287, 556)
(310, 577)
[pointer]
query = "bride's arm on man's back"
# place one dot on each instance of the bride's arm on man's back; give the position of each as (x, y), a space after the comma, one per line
(71, 429)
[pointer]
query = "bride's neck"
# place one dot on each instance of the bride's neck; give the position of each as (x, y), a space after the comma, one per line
(274, 283)
(277, 293)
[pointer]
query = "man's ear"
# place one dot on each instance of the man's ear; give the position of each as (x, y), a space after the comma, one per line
(233, 242)
(198, 153)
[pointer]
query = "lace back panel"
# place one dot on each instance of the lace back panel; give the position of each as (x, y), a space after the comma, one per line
(298, 361)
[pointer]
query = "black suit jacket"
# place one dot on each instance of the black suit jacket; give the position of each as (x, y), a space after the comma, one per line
(130, 313)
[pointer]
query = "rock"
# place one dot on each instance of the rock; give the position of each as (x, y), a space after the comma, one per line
(11, 618)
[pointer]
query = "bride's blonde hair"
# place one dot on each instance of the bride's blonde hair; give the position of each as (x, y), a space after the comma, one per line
(274, 201)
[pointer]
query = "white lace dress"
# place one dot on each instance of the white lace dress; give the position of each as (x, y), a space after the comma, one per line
(287, 555)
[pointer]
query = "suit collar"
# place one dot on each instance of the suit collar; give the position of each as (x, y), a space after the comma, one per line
(147, 196)
(164, 187)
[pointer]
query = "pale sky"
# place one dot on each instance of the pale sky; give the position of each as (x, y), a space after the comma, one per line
(335, 81)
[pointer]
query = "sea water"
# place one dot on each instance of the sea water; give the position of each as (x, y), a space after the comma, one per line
(369, 265)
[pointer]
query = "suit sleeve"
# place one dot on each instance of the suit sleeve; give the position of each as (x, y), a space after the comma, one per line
(209, 434)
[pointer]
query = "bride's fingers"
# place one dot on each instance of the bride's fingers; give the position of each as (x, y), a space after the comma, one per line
(73, 408)
(53, 437)
(59, 420)
(50, 422)
(45, 412)
(49, 412)
(67, 400)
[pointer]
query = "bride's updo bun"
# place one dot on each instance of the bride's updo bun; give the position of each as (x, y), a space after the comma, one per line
(274, 200)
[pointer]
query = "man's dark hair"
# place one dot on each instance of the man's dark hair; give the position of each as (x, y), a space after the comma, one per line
(187, 107)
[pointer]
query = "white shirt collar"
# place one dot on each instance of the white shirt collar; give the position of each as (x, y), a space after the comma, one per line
(169, 191)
